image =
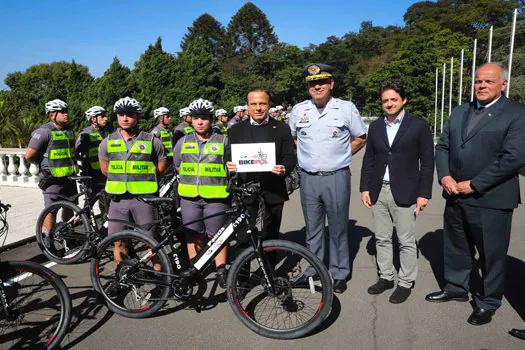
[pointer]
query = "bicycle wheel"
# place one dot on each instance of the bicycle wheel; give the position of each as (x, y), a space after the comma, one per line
(132, 288)
(67, 242)
(298, 304)
(39, 306)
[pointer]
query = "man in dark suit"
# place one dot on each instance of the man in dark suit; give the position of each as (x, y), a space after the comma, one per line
(260, 128)
(396, 183)
(478, 157)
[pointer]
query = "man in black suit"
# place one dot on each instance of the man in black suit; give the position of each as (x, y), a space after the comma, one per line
(478, 157)
(396, 183)
(260, 128)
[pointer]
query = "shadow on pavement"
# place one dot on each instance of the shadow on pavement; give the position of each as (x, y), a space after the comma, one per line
(515, 285)
(431, 247)
(88, 316)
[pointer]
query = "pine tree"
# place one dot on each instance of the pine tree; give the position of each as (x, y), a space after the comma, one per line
(209, 29)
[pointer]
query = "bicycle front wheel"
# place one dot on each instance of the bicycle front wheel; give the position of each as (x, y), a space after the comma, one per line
(135, 286)
(67, 240)
(39, 306)
(299, 299)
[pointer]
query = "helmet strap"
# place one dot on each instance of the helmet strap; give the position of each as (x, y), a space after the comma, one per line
(54, 120)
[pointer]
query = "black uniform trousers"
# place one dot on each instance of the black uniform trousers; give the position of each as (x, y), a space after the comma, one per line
(468, 229)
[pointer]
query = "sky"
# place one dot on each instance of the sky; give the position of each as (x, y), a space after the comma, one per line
(93, 32)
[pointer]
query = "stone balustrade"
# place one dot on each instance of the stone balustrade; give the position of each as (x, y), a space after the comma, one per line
(15, 170)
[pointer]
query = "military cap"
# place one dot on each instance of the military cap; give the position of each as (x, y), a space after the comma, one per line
(316, 71)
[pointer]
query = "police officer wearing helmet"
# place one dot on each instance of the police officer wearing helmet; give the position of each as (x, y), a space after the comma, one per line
(183, 128)
(280, 112)
(328, 131)
(199, 159)
(52, 147)
(86, 147)
(222, 121)
(130, 159)
(165, 135)
(239, 112)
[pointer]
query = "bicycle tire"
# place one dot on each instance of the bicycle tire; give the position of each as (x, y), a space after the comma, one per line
(42, 305)
(54, 245)
(290, 317)
(123, 296)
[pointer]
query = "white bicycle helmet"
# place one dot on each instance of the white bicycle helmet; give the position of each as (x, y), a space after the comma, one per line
(56, 106)
(244, 108)
(160, 112)
(272, 110)
(201, 106)
(127, 104)
(279, 108)
(237, 109)
(184, 112)
(95, 111)
(220, 112)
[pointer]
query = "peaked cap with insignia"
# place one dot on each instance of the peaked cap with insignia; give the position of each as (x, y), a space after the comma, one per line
(316, 71)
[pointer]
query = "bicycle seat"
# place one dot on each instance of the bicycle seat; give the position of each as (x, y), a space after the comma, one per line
(79, 178)
(156, 200)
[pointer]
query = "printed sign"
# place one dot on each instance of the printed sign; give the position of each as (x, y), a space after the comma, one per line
(252, 157)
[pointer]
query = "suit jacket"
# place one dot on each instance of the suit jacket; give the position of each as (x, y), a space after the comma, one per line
(490, 155)
(410, 160)
(274, 186)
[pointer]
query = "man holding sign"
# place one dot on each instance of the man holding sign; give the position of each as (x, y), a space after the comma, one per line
(273, 151)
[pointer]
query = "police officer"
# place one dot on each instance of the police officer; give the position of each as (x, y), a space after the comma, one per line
(165, 135)
(86, 147)
(52, 147)
(280, 112)
(328, 131)
(222, 121)
(130, 159)
(183, 128)
(273, 112)
(238, 111)
(199, 158)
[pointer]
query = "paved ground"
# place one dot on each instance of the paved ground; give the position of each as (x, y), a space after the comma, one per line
(358, 320)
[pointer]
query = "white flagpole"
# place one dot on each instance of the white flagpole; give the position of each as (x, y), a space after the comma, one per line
(451, 85)
(443, 98)
(461, 77)
(436, 104)
(473, 69)
(490, 44)
(511, 48)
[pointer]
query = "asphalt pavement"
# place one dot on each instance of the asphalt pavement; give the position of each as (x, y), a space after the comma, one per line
(357, 321)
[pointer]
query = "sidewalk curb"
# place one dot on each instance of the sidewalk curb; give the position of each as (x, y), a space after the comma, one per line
(17, 244)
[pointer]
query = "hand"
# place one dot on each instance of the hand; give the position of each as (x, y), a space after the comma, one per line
(365, 198)
(279, 170)
(421, 203)
(464, 187)
(232, 167)
(449, 185)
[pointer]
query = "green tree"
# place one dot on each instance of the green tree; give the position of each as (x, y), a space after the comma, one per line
(206, 28)
(250, 31)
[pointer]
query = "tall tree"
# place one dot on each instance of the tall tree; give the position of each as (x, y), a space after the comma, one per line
(209, 29)
(250, 31)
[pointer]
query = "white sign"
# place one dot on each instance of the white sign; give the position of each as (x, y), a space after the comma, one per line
(252, 157)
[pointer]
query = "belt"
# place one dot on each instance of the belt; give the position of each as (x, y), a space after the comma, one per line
(325, 173)
(386, 182)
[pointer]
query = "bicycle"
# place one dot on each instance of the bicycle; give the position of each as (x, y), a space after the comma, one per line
(77, 231)
(277, 288)
(35, 305)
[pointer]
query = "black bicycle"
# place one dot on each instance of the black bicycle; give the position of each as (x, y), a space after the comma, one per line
(75, 231)
(35, 305)
(277, 288)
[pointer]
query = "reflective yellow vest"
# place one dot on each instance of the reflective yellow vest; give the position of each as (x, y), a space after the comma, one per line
(60, 153)
(131, 170)
(202, 173)
(166, 137)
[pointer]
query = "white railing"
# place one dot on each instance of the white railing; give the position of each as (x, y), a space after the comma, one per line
(14, 169)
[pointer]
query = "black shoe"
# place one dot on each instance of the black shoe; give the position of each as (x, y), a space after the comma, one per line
(518, 333)
(380, 286)
(304, 280)
(339, 286)
(221, 275)
(480, 316)
(442, 296)
(400, 295)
